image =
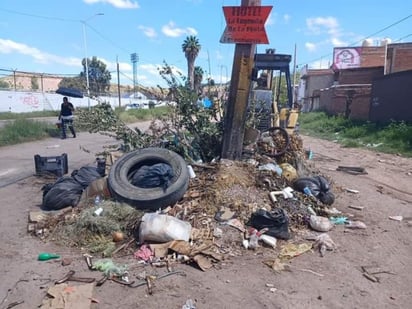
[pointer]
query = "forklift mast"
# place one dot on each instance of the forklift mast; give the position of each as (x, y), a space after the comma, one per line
(275, 62)
(269, 114)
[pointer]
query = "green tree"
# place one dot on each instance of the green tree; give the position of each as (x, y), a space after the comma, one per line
(191, 47)
(99, 76)
(4, 84)
(198, 77)
(72, 82)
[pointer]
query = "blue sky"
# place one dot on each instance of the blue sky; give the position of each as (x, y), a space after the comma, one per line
(46, 36)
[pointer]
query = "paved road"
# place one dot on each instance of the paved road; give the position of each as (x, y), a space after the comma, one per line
(17, 161)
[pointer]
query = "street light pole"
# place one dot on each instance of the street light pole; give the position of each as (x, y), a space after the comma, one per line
(86, 57)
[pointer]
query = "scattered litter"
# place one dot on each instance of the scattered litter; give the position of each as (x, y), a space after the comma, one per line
(66, 296)
(323, 243)
(354, 170)
(276, 222)
(331, 211)
(163, 228)
(356, 207)
(273, 167)
(320, 224)
(356, 225)
(236, 224)
(144, 253)
(316, 186)
(190, 304)
(396, 218)
(268, 240)
(292, 250)
(339, 220)
(352, 191)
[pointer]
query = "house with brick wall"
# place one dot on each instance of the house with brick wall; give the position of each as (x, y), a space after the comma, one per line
(355, 70)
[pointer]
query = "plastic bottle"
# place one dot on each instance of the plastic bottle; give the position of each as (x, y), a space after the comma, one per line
(97, 200)
(45, 256)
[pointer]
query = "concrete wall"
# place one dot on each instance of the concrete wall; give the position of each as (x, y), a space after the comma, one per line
(21, 101)
(336, 101)
(359, 75)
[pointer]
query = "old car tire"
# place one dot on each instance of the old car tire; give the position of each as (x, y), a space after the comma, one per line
(119, 179)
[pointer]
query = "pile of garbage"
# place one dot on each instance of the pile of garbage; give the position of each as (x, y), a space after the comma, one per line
(158, 210)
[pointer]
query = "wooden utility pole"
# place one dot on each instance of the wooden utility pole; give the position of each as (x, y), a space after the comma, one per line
(118, 82)
(235, 116)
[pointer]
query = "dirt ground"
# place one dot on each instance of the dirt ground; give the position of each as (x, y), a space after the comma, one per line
(242, 280)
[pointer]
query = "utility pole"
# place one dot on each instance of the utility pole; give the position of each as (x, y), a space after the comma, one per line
(294, 77)
(118, 82)
(235, 117)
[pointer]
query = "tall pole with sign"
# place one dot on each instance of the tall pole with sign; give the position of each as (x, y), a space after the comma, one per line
(245, 27)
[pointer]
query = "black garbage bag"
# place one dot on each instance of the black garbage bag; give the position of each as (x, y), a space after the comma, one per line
(86, 174)
(65, 192)
(276, 221)
(156, 175)
(318, 185)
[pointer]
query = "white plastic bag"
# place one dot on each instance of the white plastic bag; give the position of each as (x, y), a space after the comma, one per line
(163, 228)
(320, 224)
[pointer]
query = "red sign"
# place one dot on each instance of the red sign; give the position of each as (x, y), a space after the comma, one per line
(245, 24)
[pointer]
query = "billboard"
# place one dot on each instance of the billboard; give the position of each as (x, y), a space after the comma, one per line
(346, 58)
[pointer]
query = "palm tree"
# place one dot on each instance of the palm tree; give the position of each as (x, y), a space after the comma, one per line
(197, 78)
(191, 48)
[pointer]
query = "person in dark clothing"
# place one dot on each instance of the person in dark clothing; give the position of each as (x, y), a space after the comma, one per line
(66, 117)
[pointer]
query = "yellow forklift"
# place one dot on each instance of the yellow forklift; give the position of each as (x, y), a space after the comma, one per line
(264, 96)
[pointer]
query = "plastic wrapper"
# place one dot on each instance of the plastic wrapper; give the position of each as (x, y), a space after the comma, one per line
(318, 186)
(276, 222)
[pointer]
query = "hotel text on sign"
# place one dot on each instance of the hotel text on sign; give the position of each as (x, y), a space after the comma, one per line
(245, 24)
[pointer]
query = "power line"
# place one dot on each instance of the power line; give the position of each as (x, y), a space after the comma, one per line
(367, 37)
(39, 16)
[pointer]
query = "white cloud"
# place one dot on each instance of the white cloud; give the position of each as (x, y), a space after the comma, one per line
(150, 68)
(9, 46)
(172, 31)
(338, 42)
(311, 47)
(286, 18)
(319, 25)
(120, 4)
(148, 31)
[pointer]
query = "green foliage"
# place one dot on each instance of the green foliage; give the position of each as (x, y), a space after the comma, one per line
(104, 120)
(7, 115)
(395, 137)
(23, 130)
(4, 84)
(99, 76)
(191, 47)
(197, 130)
(134, 115)
(73, 82)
